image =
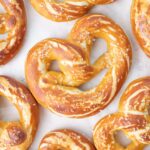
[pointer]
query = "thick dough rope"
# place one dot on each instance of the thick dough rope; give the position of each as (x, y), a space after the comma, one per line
(140, 19)
(13, 22)
(66, 10)
(58, 91)
(133, 119)
(18, 135)
(65, 139)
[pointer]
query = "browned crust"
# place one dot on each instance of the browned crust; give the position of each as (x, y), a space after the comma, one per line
(133, 119)
(65, 11)
(19, 134)
(65, 139)
(140, 19)
(57, 91)
(15, 25)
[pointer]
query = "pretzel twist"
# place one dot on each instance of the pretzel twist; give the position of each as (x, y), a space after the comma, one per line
(133, 119)
(66, 10)
(65, 139)
(140, 18)
(13, 22)
(17, 135)
(58, 91)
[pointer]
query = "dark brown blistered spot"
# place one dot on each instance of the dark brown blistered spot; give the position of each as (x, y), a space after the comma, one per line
(16, 134)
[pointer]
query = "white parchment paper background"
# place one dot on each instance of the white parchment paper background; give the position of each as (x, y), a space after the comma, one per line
(40, 28)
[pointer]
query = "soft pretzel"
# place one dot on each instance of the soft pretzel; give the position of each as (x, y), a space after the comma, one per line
(18, 135)
(66, 10)
(140, 18)
(65, 139)
(58, 91)
(13, 22)
(133, 119)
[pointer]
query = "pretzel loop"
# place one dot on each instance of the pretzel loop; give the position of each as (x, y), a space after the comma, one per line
(65, 10)
(140, 18)
(65, 139)
(58, 91)
(18, 134)
(13, 22)
(133, 119)
(3, 23)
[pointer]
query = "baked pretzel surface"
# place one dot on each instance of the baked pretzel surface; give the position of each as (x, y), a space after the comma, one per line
(57, 91)
(133, 119)
(12, 22)
(65, 10)
(18, 135)
(65, 139)
(140, 18)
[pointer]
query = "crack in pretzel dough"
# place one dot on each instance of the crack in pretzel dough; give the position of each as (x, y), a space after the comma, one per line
(140, 18)
(17, 135)
(12, 22)
(65, 10)
(65, 139)
(133, 119)
(58, 91)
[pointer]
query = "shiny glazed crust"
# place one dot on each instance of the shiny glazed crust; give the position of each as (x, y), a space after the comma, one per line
(65, 139)
(140, 19)
(57, 91)
(66, 10)
(13, 22)
(18, 135)
(133, 119)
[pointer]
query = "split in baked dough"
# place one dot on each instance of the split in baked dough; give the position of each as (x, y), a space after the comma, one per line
(133, 118)
(65, 10)
(12, 22)
(65, 139)
(18, 135)
(57, 91)
(140, 19)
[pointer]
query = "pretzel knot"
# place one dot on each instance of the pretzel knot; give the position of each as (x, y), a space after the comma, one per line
(65, 10)
(140, 18)
(58, 91)
(65, 139)
(18, 134)
(12, 22)
(132, 118)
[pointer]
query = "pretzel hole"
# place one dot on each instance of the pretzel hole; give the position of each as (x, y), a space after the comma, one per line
(7, 110)
(2, 9)
(122, 139)
(94, 81)
(147, 147)
(99, 47)
(3, 36)
(54, 66)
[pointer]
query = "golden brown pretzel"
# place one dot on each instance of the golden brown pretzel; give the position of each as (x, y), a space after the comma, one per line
(58, 91)
(18, 135)
(13, 22)
(140, 18)
(133, 119)
(65, 139)
(66, 10)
